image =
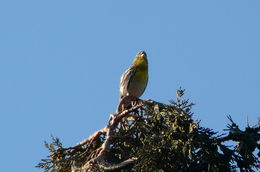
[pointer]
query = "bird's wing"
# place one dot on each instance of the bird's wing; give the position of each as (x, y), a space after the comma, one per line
(125, 80)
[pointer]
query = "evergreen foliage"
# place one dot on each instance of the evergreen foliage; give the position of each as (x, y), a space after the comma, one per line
(154, 137)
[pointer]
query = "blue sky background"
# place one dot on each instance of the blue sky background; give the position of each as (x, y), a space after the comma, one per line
(61, 61)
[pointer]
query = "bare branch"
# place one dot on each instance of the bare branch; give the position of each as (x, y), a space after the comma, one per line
(101, 152)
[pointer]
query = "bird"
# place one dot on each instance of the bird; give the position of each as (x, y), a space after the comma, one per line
(134, 80)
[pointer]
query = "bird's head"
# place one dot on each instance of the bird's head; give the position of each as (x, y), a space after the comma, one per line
(141, 59)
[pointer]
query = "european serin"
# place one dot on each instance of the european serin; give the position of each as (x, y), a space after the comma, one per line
(134, 79)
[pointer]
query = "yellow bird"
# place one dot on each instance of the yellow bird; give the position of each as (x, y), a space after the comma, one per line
(134, 80)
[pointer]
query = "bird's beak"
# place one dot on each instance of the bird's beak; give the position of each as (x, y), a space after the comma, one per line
(142, 54)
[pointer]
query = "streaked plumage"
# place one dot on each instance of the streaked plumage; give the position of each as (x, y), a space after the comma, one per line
(134, 80)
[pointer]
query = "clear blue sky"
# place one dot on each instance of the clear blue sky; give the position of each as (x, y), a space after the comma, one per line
(61, 61)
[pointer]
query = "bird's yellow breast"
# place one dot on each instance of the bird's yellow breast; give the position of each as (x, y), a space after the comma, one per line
(141, 75)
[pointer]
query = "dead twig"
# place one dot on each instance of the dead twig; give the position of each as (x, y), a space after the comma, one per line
(108, 131)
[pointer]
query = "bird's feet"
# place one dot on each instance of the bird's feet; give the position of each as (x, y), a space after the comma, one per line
(127, 102)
